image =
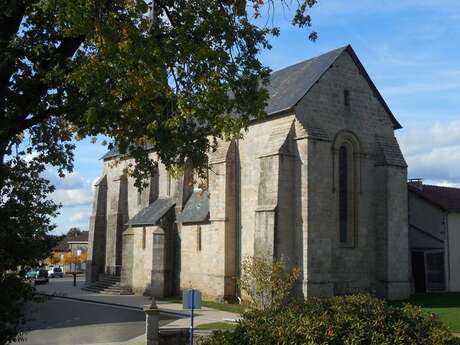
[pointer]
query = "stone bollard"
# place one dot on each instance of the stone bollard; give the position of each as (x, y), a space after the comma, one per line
(152, 323)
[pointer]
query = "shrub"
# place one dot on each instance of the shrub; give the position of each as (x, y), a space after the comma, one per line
(266, 283)
(349, 320)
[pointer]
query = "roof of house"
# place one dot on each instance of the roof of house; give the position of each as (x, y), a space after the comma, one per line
(289, 85)
(447, 198)
(151, 214)
(81, 237)
(196, 208)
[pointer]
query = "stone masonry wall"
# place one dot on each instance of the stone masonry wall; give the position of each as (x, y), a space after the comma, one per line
(282, 190)
(208, 248)
(328, 266)
(97, 232)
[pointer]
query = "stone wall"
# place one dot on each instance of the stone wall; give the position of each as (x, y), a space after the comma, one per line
(274, 192)
(95, 264)
(329, 267)
(208, 249)
(257, 187)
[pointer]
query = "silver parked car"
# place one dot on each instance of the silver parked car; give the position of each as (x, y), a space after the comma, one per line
(56, 272)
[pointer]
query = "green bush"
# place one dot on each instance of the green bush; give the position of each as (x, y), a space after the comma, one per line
(349, 320)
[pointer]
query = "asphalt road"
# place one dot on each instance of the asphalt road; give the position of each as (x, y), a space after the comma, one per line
(68, 322)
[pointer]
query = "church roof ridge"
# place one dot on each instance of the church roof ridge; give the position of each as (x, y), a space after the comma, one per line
(290, 84)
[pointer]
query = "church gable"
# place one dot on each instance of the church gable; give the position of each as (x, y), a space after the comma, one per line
(294, 85)
(344, 98)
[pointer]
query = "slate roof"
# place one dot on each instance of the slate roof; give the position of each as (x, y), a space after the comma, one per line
(447, 198)
(289, 85)
(390, 151)
(114, 151)
(196, 208)
(151, 214)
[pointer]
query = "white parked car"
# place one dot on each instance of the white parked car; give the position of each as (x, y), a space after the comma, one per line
(56, 272)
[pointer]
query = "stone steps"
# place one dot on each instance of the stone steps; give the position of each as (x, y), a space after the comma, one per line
(107, 284)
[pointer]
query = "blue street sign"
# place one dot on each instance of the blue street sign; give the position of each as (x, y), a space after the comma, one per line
(191, 299)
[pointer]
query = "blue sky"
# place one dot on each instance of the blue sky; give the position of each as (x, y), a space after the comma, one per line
(411, 50)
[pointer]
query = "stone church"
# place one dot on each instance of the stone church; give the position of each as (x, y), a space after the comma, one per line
(320, 183)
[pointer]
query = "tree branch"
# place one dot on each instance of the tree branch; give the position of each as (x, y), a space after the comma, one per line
(32, 99)
(9, 26)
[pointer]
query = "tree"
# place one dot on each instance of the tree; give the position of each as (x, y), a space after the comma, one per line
(54, 260)
(175, 75)
(73, 232)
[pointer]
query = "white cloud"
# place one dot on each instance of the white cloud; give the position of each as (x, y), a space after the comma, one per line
(71, 190)
(69, 217)
(70, 181)
(82, 216)
(73, 197)
(422, 140)
(433, 153)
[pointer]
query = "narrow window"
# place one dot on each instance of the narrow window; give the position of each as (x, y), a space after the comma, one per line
(343, 193)
(346, 98)
(198, 238)
(139, 197)
(144, 234)
(168, 184)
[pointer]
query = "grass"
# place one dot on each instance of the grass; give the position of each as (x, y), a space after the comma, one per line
(229, 307)
(445, 305)
(220, 326)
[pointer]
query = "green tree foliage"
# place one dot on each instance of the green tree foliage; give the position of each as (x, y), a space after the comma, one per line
(174, 74)
(266, 282)
(15, 294)
(346, 320)
(73, 232)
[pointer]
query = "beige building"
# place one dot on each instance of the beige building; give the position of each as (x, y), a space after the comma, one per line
(320, 183)
(434, 237)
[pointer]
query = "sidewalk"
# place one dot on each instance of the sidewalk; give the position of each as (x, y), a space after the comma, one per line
(63, 287)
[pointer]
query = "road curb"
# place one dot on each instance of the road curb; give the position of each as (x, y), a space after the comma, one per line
(163, 311)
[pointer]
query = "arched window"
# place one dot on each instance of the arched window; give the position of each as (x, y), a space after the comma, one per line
(347, 185)
(343, 194)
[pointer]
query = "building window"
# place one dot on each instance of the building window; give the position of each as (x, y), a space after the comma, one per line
(168, 183)
(139, 197)
(198, 238)
(144, 235)
(346, 98)
(343, 194)
(346, 171)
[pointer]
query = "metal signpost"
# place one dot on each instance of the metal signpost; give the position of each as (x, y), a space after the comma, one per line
(191, 299)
